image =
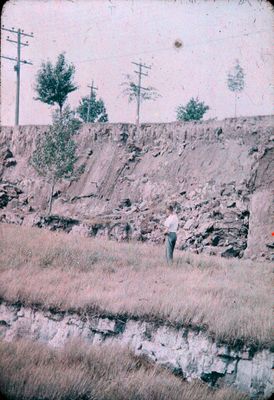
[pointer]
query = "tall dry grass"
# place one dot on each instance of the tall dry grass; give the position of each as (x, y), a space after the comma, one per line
(31, 371)
(231, 299)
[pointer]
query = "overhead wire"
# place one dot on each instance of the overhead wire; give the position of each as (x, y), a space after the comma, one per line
(169, 48)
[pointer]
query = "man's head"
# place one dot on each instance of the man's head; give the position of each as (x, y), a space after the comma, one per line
(169, 210)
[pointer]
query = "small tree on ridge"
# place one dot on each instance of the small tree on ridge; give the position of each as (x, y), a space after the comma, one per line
(136, 93)
(235, 81)
(193, 111)
(92, 110)
(55, 82)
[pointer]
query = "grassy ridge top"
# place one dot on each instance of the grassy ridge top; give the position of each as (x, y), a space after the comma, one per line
(231, 299)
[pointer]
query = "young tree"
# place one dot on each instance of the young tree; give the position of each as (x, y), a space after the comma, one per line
(55, 82)
(55, 153)
(136, 93)
(235, 81)
(92, 110)
(193, 111)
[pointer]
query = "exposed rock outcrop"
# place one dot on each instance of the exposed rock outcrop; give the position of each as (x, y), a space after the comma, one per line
(187, 352)
(216, 173)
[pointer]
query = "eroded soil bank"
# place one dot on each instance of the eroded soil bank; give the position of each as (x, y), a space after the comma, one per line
(217, 174)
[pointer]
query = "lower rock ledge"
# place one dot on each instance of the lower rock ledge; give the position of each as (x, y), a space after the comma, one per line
(187, 353)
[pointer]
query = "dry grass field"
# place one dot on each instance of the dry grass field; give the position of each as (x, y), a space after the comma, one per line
(229, 298)
(31, 371)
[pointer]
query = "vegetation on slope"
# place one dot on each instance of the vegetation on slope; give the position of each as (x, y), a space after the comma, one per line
(31, 371)
(228, 298)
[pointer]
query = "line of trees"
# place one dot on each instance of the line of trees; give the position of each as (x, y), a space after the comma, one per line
(55, 82)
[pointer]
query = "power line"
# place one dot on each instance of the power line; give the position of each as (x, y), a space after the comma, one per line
(92, 93)
(140, 73)
(187, 46)
(169, 48)
(17, 66)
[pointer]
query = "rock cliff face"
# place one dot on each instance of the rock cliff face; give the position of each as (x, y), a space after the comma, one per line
(218, 174)
(189, 353)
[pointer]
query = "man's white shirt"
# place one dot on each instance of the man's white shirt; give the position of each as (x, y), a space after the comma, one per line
(172, 223)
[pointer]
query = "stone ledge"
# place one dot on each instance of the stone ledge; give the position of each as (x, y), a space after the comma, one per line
(191, 354)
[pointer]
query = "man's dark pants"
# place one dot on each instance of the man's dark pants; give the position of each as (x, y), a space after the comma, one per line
(171, 238)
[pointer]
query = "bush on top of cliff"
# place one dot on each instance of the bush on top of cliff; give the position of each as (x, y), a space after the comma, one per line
(92, 110)
(193, 111)
(228, 298)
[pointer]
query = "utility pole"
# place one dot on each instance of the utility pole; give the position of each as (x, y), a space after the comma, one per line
(92, 88)
(139, 87)
(17, 66)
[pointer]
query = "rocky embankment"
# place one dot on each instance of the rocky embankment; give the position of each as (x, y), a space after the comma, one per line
(187, 352)
(218, 174)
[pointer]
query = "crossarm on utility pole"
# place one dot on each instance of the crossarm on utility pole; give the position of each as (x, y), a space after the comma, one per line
(15, 59)
(14, 41)
(14, 31)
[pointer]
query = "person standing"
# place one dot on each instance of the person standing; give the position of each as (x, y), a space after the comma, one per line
(171, 227)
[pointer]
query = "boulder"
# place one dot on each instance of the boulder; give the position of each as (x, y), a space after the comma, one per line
(4, 199)
(231, 252)
(56, 223)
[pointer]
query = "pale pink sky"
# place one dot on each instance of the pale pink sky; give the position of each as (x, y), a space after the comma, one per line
(103, 37)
